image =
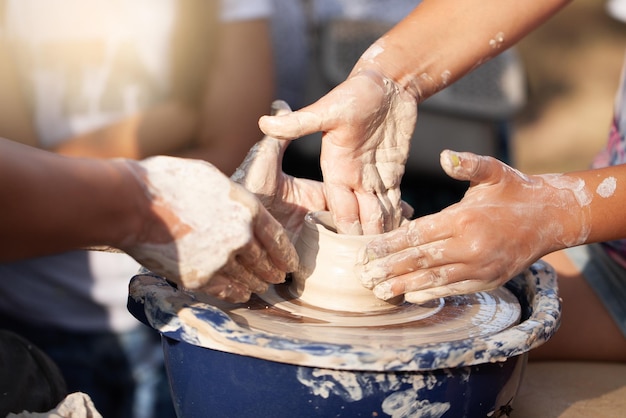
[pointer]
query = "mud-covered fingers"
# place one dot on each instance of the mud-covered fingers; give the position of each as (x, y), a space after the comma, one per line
(373, 213)
(254, 259)
(458, 288)
(237, 273)
(379, 210)
(379, 206)
(394, 209)
(419, 280)
(223, 287)
(435, 255)
(344, 208)
(397, 264)
(411, 234)
(273, 239)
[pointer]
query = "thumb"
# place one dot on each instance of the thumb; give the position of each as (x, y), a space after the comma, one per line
(284, 124)
(261, 169)
(470, 167)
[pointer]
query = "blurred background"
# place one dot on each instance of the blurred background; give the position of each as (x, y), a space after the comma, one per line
(573, 65)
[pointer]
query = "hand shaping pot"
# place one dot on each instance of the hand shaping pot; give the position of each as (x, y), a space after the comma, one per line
(276, 356)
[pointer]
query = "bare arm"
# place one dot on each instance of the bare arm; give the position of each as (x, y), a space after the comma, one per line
(441, 40)
(181, 218)
(53, 203)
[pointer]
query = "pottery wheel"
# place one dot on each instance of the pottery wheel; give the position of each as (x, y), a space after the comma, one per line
(449, 319)
(451, 332)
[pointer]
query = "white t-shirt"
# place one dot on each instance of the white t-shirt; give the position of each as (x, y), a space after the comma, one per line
(85, 64)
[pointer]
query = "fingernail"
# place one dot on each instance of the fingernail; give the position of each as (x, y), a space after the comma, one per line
(383, 291)
(454, 159)
(418, 297)
(365, 279)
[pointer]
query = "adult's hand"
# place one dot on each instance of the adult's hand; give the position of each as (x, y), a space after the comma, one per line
(287, 198)
(367, 122)
(505, 222)
(208, 233)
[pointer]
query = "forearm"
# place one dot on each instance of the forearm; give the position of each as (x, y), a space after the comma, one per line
(604, 197)
(53, 203)
(441, 40)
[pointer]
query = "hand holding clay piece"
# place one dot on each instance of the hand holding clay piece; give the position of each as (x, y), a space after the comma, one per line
(183, 219)
(504, 223)
(218, 237)
(367, 123)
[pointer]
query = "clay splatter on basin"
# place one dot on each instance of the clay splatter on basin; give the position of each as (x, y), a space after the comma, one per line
(275, 355)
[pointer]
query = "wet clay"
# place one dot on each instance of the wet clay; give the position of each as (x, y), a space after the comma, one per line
(326, 277)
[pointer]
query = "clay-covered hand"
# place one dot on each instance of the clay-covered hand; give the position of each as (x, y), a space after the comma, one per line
(208, 232)
(367, 122)
(504, 223)
(286, 197)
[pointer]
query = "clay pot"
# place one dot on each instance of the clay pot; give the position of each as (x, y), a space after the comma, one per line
(326, 277)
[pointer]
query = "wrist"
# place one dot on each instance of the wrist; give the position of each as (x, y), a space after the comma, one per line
(133, 212)
(567, 211)
(384, 67)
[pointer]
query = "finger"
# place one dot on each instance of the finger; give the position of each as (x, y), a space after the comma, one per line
(372, 214)
(407, 210)
(274, 239)
(292, 125)
(397, 264)
(375, 207)
(260, 171)
(417, 280)
(427, 229)
(280, 107)
(471, 167)
(316, 117)
(256, 260)
(344, 208)
(458, 288)
(237, 273)
(395, 209)
(413, 259)
(223, 287)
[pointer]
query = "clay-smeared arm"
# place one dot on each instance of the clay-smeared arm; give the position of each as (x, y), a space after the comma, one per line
(505, 222)
(180, 218)
(367, 121)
